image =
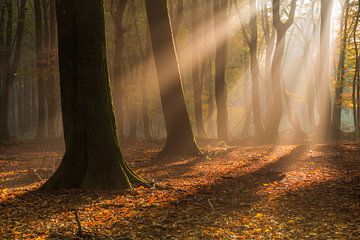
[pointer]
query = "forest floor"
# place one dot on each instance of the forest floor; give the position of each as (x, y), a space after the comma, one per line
(298, 191)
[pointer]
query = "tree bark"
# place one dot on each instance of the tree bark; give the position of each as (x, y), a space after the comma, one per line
(254, 67)
(180, 138)
(52, 83)
(196, 56)
(12, 61)
(92, 157)
(221, 34)
(118, 9)
(41, 71)
(324, 81)
(276, 68)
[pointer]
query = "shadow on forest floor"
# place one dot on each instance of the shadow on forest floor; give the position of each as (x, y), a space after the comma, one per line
(272, 192)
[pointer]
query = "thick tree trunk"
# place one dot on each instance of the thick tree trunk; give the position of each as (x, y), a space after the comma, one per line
(196, 56)
(221, 33)
(324, 79)
(180, 138)
(92, 158)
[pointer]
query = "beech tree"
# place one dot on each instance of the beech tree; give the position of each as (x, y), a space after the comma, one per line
(10, 57)
(92, 158)
(117, 14)
(221, 34)
(276, 67)
(180, 138)
(251, 40)
(196, 60)
(324, 70)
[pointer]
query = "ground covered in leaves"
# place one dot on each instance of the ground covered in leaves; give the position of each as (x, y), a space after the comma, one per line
(230, 192)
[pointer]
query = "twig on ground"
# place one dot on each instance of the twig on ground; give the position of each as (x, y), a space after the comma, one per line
(212, 206)
(79, 231)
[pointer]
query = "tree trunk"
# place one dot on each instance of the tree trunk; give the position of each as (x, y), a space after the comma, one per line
(180, 139)
(41, 71)
(197, 82)
(324, 81)
(92, 157)
(118, 10)
(276, 68)
(52, 83)
(254, 66)
(12, 61)
(221, 33)
(144, 87)
(4, 91)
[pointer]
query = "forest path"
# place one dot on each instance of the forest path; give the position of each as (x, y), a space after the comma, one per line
(230, 192)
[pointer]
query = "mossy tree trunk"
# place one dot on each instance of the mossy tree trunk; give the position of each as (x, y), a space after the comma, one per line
(180, 138)
(92, 158)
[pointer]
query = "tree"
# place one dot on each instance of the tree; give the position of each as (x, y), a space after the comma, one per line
(52, 77)
(41, 61)
(92, 157)
(11, 58)
(340, 76)
(180, 138)
(276, 67)
(221, 34)
(117, 13)
(254, 66)
(196, 60)
(324, 70)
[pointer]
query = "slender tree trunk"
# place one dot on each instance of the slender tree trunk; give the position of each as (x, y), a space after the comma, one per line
(324, 78)
(221, 33)
(41, 74)
(92, 157)
(195, 23)
(4, 91)
(52, 83)
(356, 78)
(13, 57)
(276, 68)
(337, 107)
(144, 87)
(118, 10)
(254, 66)
(180, 139)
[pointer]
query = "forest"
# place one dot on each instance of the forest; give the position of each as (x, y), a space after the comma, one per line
(179, 119)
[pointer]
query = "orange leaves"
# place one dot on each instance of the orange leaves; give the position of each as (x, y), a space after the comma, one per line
(269, 192)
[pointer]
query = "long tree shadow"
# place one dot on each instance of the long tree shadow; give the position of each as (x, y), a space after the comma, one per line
(327, 210)
(180, 167)
(192, 210)
(203, 207)
(34, 208)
